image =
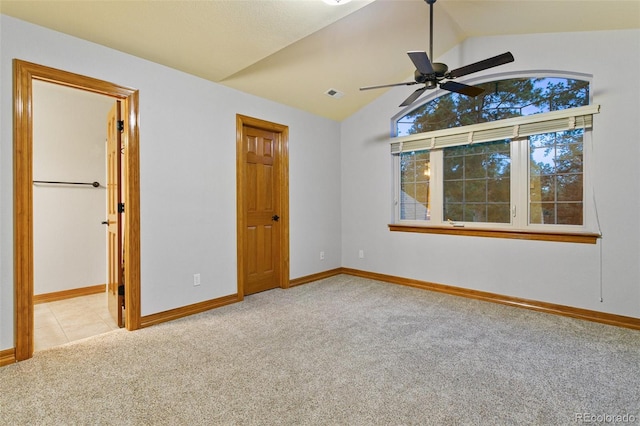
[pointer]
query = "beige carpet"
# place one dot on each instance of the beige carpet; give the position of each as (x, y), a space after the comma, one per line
(341, 351)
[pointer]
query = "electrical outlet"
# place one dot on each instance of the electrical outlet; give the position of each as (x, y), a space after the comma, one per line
(321, 255)
(361, 254)
(196, 280)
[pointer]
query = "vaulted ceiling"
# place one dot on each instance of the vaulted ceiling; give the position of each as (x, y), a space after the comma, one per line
(294, 51)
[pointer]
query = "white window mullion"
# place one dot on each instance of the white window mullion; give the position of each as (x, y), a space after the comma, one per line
(591, 219)
(395, 211)
(436, 193)
(520, 182)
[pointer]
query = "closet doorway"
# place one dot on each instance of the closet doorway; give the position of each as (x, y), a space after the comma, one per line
(25, 74)
(70, 127)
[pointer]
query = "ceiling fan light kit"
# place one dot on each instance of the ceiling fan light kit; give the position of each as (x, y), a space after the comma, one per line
(432, 74)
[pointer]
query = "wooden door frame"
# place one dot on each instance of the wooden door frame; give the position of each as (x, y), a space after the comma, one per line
(282, 170)
(23, 75)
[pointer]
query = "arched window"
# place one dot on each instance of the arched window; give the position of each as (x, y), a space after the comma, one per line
(512, 157)
(514, 97)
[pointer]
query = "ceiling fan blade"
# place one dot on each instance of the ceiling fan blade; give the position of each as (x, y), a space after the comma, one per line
(408, 83)
(505, 58)
(421, 61)
(415, 95)
(464, 89)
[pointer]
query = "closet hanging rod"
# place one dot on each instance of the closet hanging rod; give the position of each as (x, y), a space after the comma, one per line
(94, 184)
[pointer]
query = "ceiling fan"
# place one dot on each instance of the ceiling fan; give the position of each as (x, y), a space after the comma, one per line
(432, 74)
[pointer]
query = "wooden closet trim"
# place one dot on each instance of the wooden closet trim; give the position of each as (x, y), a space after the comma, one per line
(24, 73)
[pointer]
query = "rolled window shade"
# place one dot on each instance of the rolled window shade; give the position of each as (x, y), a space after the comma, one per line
(555, 121)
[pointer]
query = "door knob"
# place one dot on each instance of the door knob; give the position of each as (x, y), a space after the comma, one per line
(104, 222)
(275, 217)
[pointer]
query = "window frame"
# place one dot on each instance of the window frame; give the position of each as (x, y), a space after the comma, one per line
(519, 226)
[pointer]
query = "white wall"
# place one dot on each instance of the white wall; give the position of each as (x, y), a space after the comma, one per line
(561, 273)
(69, 134)
(187, 172)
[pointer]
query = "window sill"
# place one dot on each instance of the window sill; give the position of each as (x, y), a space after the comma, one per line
(565, 237)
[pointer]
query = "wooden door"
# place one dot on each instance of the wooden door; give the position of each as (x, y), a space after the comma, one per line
(262, 192)
(114, 200)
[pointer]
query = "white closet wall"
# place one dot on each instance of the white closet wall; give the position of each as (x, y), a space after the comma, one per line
(69, 133)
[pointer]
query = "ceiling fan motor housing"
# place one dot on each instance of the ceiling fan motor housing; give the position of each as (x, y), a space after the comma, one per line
(422, 78)
(431, 80)
(431, 84)
(440, 69)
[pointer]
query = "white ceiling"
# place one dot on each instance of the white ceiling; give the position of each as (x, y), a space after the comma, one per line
(293, 51)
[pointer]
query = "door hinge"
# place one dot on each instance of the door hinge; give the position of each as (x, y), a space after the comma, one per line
(120, 207)
(121, 125)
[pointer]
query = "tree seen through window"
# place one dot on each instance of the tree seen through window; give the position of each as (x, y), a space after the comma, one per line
(501, 99)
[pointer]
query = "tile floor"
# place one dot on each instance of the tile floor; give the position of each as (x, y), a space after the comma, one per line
(72, 319)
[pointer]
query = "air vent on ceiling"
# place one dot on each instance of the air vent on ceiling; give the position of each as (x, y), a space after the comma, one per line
(334, 93)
